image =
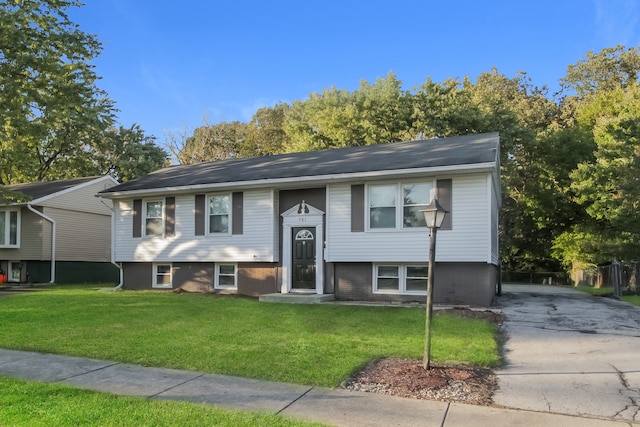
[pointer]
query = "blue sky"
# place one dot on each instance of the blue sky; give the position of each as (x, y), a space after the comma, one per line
(171, 65)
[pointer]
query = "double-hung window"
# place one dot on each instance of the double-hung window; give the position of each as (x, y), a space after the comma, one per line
(396, 206)
(162, 276)
(382, 206)
(154, 218)
(220, 213)
(226, 276)
(403, 279)
(10, 229)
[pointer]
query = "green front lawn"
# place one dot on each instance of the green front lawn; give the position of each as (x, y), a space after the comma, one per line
(34, 404)
(319, 344)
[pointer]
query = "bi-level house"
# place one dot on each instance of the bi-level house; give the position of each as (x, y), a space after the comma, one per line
(57, 231)
(342, 222)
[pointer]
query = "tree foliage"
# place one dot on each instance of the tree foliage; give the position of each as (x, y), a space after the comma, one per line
(53, 116)
(607, 185)
(610, 69)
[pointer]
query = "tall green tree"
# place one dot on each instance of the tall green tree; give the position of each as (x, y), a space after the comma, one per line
(50, 105)
(265, 133)
(608, 185)
(126, 154)
(609, 69)
(211, 142)
(336, 118)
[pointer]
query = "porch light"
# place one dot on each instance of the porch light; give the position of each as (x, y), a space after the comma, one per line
(434, 216)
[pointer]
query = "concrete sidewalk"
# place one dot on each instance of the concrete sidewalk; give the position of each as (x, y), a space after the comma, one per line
(331, 406)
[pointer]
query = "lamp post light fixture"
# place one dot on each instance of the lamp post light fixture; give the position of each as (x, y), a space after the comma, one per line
(434, 216)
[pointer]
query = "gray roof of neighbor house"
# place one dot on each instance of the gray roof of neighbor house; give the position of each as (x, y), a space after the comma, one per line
(37, 190)
(432, 153)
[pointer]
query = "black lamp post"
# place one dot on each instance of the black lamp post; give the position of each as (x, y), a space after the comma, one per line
(433, 215)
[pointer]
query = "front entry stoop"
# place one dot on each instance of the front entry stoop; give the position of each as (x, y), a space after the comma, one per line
(294, 298)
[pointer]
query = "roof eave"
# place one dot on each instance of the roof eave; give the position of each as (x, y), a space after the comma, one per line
(300, 180)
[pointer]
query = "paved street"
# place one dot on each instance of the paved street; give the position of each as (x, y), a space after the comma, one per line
(570, 353)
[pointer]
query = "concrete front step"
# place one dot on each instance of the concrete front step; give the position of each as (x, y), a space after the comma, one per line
(297, 298)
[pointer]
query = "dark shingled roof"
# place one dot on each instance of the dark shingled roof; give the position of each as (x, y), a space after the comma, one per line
(36, 190)
(459, 150)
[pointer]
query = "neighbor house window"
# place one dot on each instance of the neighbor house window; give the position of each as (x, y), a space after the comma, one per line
(162, 276)
(219, 213)
(403, 279)
(226, 276)
(154, 218)
(10, 229)
(395, 206)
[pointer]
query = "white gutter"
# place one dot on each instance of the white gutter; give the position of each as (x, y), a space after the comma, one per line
(53, 241)
(113, 246)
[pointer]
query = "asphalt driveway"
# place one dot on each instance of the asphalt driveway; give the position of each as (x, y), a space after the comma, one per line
(569, 353)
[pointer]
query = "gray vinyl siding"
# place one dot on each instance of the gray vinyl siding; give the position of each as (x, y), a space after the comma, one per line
(81, 236)
(82, 198)
(35, 242)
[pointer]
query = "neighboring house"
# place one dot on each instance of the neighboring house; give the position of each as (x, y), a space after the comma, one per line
(343, 222)
(61, 234)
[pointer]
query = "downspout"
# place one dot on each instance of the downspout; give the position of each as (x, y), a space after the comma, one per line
(53, 241)
(113, 246)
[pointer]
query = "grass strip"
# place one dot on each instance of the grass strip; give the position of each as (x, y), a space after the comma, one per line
(320, 344)
(35, 404)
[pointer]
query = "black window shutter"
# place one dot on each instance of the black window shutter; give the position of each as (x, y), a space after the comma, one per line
(237, 204)
(357, 208)
(169, 217)
(200, 210)
(137, 218)
(445, 200)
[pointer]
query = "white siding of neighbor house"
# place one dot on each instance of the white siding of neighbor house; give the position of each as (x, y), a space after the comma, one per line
(467, 241)
(255, 244)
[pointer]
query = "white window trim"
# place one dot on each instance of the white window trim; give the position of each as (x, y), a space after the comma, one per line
(144, 217)
(207, 217)
(217, 276)
(402, 279)
(7, 224)
(399, 207)
(155, 276)
(10, 268)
